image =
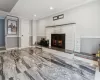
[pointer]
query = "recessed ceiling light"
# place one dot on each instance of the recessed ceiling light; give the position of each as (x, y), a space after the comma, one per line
(34, 15)
(51, 8)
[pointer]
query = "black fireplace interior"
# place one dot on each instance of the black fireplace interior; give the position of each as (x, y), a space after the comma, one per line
(58, 40)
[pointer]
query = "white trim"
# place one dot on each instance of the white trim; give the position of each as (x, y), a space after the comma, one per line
(90, 37)
(12, 48)
(25, 47)
(12, 35)
(18, 48)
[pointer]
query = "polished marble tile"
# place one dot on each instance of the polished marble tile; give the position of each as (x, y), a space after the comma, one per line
(29, 76)
(43, 66)
(21, 67)
(34, 73)
(21, 76)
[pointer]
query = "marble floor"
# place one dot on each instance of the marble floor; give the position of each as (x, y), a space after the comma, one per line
(34, 64)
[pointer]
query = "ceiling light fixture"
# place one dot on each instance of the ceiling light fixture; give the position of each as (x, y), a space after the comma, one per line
(34, 15)
(51, 8)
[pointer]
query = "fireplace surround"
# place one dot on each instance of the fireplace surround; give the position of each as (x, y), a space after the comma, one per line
(58, 40)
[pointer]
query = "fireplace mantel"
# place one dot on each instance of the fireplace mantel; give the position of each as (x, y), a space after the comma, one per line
(60, 25)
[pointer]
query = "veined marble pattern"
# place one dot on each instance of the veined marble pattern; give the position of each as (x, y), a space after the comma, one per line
(37, 65)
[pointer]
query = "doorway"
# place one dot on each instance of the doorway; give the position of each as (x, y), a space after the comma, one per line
(25, 25)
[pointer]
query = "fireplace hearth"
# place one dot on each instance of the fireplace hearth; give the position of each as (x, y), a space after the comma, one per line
(58, 40)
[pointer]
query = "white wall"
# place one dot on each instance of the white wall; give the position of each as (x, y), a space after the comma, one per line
(86, 17)
(41, 24)
(34, 24)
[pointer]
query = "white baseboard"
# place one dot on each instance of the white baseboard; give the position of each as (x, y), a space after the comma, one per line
(9, 49)
(18, 48)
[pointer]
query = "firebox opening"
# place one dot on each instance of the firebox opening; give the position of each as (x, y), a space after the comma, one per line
(58, 40)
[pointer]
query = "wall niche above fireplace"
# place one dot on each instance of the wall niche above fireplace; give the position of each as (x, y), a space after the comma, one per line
(58, 40)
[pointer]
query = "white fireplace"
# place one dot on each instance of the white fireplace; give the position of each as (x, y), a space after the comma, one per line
(68, 30)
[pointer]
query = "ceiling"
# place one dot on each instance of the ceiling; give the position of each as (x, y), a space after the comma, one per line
(41, 8)
(7, 5)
